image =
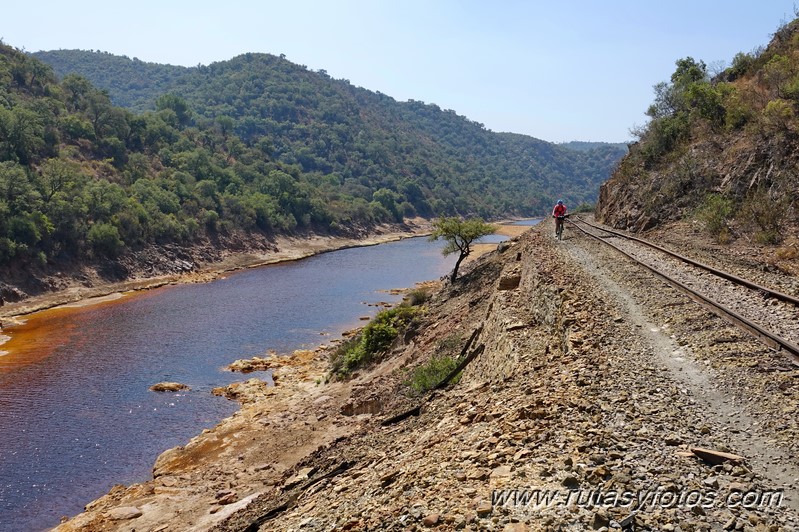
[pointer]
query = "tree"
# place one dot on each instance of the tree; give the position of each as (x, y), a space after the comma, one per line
(182, 110)
(459, 235)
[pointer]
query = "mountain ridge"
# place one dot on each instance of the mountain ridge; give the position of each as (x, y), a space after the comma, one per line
(306, 115)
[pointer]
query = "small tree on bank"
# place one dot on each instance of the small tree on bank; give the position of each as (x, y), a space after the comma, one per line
(459, 235)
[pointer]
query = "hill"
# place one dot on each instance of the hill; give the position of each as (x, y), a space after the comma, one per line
(232, 156)
(431, 159)
(719, 151)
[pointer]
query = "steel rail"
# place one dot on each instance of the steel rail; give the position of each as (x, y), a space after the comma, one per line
(767, 337)
(720, 273)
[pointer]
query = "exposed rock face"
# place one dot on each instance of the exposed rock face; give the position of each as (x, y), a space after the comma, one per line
(741, 151)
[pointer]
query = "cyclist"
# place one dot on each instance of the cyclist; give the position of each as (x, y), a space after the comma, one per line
(559, 214)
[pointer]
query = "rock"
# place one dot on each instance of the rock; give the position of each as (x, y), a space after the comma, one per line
(715, 457)
(601, 520)
(571, 482)
(388, 478)
(246, 365)
(301, 476)
(431, 520)
(226, 497)
(477, 474)
(124, 513)
(484, 508)
(501, 472)
(168, 387)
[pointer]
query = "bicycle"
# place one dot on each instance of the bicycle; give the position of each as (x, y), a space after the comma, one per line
(559, 223)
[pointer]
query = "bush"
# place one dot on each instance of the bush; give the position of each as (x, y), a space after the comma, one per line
(417, 296)
(375, 339)
(105, 240)
(765, 215)
(427, 376)
(714, 212)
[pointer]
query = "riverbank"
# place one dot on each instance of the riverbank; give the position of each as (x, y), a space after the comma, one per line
(213, 320)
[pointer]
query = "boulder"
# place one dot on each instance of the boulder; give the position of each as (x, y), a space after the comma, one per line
(168, 387)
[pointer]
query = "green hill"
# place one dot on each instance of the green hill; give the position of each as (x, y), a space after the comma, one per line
(431, 159)
(720, 151)
(231, 155)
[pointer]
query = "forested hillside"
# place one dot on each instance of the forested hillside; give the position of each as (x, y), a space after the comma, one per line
(255, 146)
(720, 151)
(417, 157)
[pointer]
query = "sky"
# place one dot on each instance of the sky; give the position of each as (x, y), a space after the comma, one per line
(558, 70)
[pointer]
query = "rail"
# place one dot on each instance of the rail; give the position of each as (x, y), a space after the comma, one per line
(769, 338)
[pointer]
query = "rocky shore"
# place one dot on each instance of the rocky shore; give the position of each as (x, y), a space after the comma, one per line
(598, 399)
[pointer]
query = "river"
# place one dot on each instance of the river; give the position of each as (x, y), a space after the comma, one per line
(76, 415)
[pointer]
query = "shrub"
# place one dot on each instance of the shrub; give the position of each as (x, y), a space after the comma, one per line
(375, 339)
(714, 212)
(417, 296)
(427, 376)
(765, 215)
(105, 240)
(584, 207)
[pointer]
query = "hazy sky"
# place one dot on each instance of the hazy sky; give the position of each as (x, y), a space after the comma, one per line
(558, 70)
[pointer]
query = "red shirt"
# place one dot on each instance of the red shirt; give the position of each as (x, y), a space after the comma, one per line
(559, 210)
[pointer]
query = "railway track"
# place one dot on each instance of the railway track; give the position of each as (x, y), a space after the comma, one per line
(770, 315)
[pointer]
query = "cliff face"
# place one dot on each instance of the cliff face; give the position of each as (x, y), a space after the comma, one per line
(725, 148)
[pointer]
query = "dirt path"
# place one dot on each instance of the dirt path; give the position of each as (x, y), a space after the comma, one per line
(734, 418)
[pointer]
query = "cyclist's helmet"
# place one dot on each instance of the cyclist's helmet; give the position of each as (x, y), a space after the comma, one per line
(560, 202)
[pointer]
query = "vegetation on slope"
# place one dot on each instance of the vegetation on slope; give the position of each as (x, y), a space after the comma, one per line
(721, 149)
(80, 177)
(430, 161)
(251, 147)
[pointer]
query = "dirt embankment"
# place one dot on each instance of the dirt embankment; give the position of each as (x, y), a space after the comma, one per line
(592, 384)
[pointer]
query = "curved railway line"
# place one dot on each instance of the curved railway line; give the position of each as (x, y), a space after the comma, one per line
(768, 314)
